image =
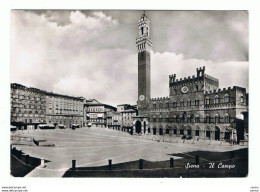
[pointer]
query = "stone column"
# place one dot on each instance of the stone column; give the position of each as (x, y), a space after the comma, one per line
(134, 128)
(170, 132)
(142, 127)
(222, 135)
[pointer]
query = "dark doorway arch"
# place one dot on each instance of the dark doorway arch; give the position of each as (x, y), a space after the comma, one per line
(149, 130)
(227, 135)
(207, 134)
(160, 131)
(181, 131)
(138, 127)
(217, 133)
(167, 131)
(189, 131)
(154, 131)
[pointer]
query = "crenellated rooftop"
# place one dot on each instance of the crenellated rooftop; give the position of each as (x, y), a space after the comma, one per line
(200, 75)
(224, 90)
(160, 98)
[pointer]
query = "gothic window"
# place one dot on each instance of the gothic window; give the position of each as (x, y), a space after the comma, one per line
(196, 88)
(188, 119)
(197, 102)
(175, 91)
(174, 118)
(189, 102)
(174, 104)
(181, 103)
(227, 118)
(177, 118)
(181, 118)
(217, 118)
(197, 133)
(207, 100)
(154, 106)
(197, 119)
(167, 105)
(216, 99)
(161, 105)
(242, 99)
(226, 98)
(207, 118)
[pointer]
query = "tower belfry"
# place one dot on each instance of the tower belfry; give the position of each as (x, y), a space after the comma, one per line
(144, 47)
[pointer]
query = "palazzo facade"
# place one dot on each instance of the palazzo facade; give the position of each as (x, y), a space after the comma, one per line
(195, 107)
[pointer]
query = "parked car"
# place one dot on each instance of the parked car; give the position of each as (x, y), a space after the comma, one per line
(183, 137)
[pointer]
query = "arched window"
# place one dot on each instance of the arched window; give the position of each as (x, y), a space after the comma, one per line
(217, 118)
(196, 88)
(197, 119)
(174, 118)
(226, 98)
(216, 99)
(226, 118)
(167, 105)
(174, 104)
(142, 30)
(181, 103)
(189, 102)
(175, 91)
(207, 118)
(197, 131)
(242, 99)
(161, 105)
(177, 118)
(207, 101)
(154, 105)
(188, 119)
(197, 102)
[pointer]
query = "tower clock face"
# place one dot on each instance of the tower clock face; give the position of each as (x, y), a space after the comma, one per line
(184, 89)
(141, 97)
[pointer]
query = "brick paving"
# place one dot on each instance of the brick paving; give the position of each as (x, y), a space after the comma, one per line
(94, 146)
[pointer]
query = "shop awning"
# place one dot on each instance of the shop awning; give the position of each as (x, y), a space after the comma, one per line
(43, 125)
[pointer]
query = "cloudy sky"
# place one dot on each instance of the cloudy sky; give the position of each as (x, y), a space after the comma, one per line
(93, 53)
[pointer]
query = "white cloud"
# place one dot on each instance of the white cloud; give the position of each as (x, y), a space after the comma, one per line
(82, 58)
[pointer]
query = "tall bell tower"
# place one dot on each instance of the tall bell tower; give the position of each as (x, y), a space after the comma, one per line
(144, 47)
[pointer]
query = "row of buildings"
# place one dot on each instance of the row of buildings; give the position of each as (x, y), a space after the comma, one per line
(33, 108)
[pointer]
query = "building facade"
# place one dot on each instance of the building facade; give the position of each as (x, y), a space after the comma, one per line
(96, 114)
(32, 108)
(28, 107)
(195, 105)
(64, 111)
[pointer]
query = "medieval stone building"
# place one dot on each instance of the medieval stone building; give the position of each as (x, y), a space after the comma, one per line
(195, 107)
